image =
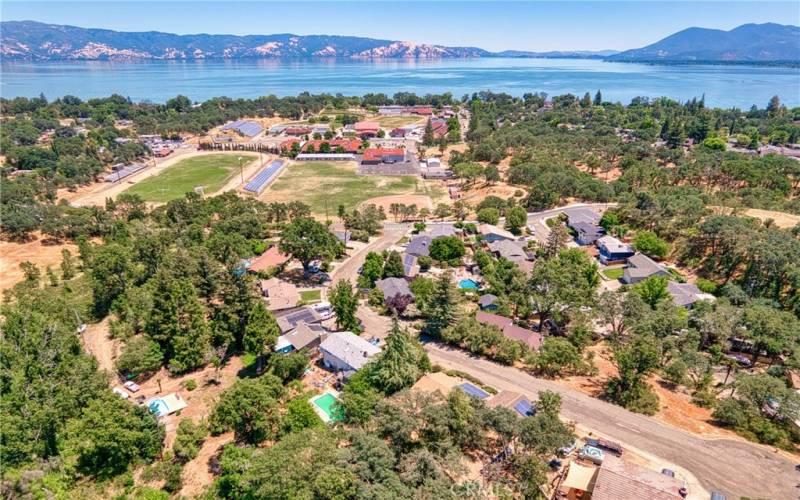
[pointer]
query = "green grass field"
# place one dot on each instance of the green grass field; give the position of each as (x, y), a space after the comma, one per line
(316, 183)
(614, 273)
(310, 296)
(398, 121)
(211, 172)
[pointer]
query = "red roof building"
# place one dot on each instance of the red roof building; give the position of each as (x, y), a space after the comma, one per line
(287, 144)
(378, 155)
(298, 130)
(422, 110)
(349, 145)
(367, 128)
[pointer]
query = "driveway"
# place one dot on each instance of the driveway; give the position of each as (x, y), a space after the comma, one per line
(737, 468)
(349, 269)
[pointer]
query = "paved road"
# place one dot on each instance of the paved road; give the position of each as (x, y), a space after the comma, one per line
(736, 468)
(349, 270)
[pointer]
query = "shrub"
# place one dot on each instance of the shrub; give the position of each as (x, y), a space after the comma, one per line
(650, 244)
(424, 263)
(706, 286)
(489, 215)
(191, 384)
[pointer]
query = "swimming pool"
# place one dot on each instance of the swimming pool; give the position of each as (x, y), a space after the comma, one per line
(159, 407)
(468, 284)
(327, 407)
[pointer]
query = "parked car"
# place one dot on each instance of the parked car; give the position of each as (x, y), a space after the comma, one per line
(716, 495)
(592, 453)
(119, 392)
(668, 472)
(131, 386)
(568, 449)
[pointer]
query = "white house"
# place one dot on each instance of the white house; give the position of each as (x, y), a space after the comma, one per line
(346, 351)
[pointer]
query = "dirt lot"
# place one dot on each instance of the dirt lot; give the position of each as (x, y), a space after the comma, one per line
(480, 191)
(420, 200)
(677, 408)
(609, 176)
(39, 252)
(781, 219)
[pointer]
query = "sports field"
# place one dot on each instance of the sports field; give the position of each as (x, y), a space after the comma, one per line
(209, 171)
(316, 183)
(399, 121)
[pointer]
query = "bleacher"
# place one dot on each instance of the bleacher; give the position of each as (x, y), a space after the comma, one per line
(122, 171)
(263, 178)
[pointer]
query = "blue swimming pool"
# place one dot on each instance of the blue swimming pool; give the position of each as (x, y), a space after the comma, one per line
(468, 284)
(159, 407)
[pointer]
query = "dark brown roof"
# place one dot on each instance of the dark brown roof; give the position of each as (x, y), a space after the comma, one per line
(493, 319)
(528, 337)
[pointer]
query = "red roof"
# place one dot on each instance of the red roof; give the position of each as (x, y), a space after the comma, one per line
(422, 110)
(377, 154)
(271, 258)
(367, 126)
(349, 145)
(287, 144)
(298, 130)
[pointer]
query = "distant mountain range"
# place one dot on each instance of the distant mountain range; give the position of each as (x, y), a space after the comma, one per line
(748, 43)
(35, 41)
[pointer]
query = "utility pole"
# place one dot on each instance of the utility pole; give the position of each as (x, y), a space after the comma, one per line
(241, 173)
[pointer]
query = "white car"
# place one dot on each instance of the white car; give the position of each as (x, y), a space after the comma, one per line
(323, 309)
(119, 392)
(131, 386)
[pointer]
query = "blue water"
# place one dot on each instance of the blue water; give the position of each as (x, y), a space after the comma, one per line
(156, 81)
(159, 407)
(468, 284)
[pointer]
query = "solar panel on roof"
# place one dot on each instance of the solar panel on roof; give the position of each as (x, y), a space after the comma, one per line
(263, 178)
(473, 390)
(524, 408)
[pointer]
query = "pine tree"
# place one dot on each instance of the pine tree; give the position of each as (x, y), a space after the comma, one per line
(401, 362)
(556, 240)
(427, 138)
(67, 265)
(344, 302)
(261, 331)
(598, 98)
(440, 311)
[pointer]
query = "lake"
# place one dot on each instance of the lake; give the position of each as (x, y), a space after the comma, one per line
(723, 85)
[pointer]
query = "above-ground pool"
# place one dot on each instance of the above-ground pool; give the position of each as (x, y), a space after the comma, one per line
(327, 407)
(468, 284)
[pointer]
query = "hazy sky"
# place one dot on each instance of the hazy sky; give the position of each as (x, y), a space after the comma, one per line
(522, 25)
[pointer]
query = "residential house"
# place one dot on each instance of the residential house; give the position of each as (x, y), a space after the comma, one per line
(270, 259)
(289, 320)
(374, 156)
(367, 128)
(618, 479)
(510, 250)
(347, 352)
(582, 214)
(437, 381)
(305, 336)
(279, 295)
(686, 294)
(640, 267)
(613, 250)
(394, 287)
(442, 230)
(493, 233)
(514, 401)
(586, 232)
(419, 245)
(510, 331)
(488, 302)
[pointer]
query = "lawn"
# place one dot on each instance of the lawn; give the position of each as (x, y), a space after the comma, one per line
(614, 273)
(310, 296)
(209, 171)
(398, 121)
(328, 184)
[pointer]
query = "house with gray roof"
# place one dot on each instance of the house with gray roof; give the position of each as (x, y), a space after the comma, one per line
(582, 214)
(440, 230)
(305, 336)
(488, 302)
(419, 246)
(492, 233)
(586, 233)
(640, 267)
(686, 294)
(392, 287)
(510, 250)
(345, 351)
